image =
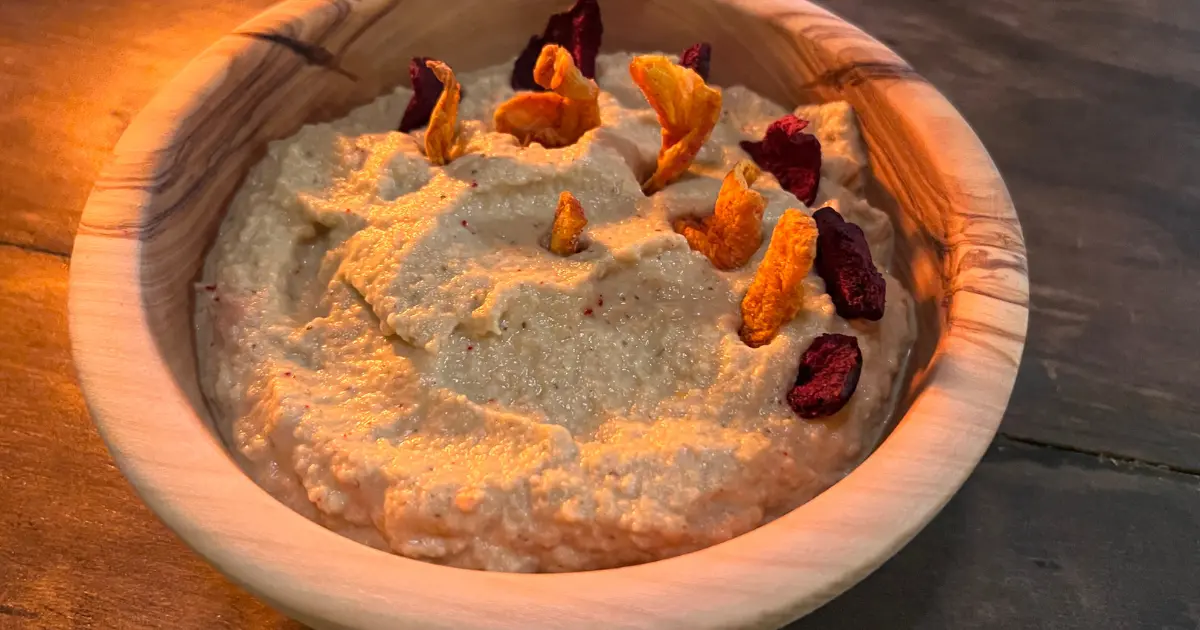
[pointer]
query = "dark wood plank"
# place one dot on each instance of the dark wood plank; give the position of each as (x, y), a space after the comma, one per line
(1089, 107)
(72, 75)
(1040, 538)
(77, 548)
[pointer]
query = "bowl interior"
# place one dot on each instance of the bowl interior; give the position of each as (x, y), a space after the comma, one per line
(959, 246)
(764, 56)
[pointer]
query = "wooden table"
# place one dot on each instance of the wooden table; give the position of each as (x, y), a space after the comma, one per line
(1084, 514)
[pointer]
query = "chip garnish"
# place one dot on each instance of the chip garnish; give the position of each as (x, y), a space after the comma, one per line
(553, 119)
(569, 222)
(777, 293)
(698, 57)
(579, 30)
(791, 155)
(731, 235)
(844, 261)
(827, 377)
(426, 90)
(441, 138)
(687, 109)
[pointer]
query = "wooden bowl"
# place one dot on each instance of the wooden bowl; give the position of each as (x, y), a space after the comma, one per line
(155, 210)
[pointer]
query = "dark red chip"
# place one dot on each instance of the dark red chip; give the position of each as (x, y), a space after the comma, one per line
(426, 90)
(698, 58)
(579, 30)
(792, 156)
(828, 376)
(844, 263)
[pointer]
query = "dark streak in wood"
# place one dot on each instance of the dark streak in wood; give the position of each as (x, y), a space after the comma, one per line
(17, 611)
(860, 73)
(311, 53)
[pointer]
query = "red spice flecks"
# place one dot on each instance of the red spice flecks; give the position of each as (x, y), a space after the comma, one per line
(600, 302)
(210, 287)
(588, 312)
(792, 156)
(579, 30)
(474, 184)
(464, 223)
(287, 373)
(828, 376)
(470, 347)
(844, 262)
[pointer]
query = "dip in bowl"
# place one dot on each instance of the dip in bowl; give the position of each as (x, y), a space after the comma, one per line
(154, 216)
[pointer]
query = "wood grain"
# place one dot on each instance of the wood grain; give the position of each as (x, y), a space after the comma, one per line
(72, 77)
(77, 549)
(153, 212)
(1089, 108)
(1041, 538)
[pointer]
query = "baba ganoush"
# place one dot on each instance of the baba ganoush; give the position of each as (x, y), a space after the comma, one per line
(391, 350)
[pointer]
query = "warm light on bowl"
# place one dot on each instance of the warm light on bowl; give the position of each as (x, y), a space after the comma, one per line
(155, 210)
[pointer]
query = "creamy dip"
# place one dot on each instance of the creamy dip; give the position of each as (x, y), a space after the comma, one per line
(391, 351)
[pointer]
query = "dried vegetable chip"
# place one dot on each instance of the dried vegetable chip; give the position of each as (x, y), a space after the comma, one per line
(579, 30)
(697, 58)
(687, 109)
(828, 376)
(441, 138)
(731, 235)
(776, 293)
(554, 119)
(569, 222)
(844, 261)
(426, 90)
(792, 156)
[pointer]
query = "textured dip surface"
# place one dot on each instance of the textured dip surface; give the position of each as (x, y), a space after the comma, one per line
(391, 351)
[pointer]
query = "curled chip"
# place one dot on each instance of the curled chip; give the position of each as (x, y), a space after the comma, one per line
(792, 156)
(442, 136)
(554, 119)
(697, 58)
(687, 110)
(579, 30)
(776, 293)
(844, 262)
(731, 235)
(569, 222)
(828, 376)
(426, 90)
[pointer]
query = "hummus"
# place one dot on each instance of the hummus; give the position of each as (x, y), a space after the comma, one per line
(390, 350)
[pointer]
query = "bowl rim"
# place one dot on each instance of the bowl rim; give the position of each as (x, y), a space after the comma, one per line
(766, 577)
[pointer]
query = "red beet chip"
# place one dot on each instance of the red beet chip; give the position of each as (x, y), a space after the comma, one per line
(697, 58)
(426, 90)
(792, 156)
(579, 30)
(828, 376)
(844, 263)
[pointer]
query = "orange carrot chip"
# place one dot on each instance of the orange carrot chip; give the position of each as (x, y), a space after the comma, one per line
(687, 109)
(776, 293)
(569, 222)
(557, 118)
(441, 138)
(731, 235)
